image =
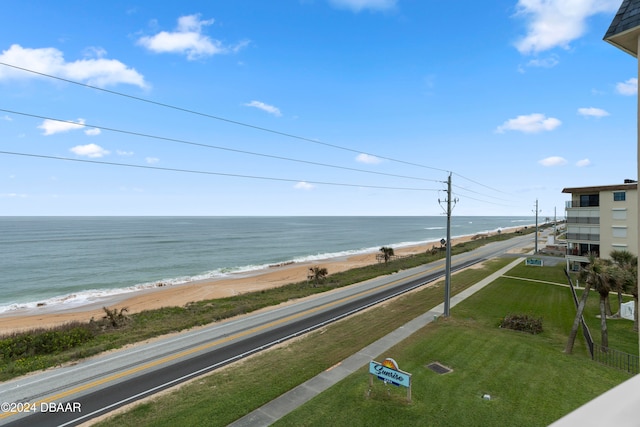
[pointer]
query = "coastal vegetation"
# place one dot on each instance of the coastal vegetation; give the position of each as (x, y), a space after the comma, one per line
(618, 274)
(113, 332)
(317, 275)
(524, 376)
(387, 253)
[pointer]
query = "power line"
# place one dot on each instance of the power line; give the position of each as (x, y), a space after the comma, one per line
(181, 141)
(476, 192)
(476, 182)
(483, 201)
(210, 116)
(266, 178)
(285, 134)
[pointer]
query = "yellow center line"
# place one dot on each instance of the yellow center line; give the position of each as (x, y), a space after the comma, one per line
(211, 344)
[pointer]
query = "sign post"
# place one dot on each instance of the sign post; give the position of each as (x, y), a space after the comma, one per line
(389, 372)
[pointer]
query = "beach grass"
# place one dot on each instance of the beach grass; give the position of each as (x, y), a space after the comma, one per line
(529, 380)
(152, 323)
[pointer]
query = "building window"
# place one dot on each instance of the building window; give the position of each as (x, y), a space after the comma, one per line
(619, 214)
(587, 200)
(620, 232)
(619, 196)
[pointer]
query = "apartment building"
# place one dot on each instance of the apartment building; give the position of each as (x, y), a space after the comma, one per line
(601, 219)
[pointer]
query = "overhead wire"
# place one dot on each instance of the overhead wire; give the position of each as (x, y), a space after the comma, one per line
(478, 183)
(268, 178)
(483, 201)
(460, 188)
(216, 147)
(259, 128)
(235, 122)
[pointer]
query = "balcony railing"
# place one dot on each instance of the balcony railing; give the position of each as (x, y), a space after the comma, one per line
(577, 252)
(571, 205)
(583, 220)
(584, 236)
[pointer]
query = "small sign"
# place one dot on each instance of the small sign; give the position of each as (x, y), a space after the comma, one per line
(534, 261)
(388, 372)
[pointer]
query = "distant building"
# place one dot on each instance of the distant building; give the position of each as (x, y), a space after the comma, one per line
(601, 219)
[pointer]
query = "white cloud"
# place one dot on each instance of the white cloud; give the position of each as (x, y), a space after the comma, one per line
(12, 196)
(95, 51)
(553, 161)
(582, 163)
(264, 107)
(368, 159)
(6, 118)
(304, 186)
(556, 23)
(629, 87)
(531, 123)
(98, 71)
(188, 39)
(89, 150)
(51, 127)
(548, 62)
(124, 153)
(592, 112)
(358, 5)
(151, 160)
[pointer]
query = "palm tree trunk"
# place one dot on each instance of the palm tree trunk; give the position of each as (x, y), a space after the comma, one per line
(604, 333)
(635, 315)
(607, 305)
(576, 322)
(619, 314)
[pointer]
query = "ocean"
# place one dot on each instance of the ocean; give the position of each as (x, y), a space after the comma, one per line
(73, 261)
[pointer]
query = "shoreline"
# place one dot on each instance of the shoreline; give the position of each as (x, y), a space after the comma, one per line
(182, 294)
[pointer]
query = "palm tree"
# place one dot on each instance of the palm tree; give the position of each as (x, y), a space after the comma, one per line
(317, 274)
(631, 286)
(628, 262)
(608, 278)
(590, 275)
(387, 253)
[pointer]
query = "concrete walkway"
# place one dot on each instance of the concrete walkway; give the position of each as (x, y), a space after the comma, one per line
(281, 406)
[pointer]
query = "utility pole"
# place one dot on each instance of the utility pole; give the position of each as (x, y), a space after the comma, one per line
(447, 274)
(536, 236)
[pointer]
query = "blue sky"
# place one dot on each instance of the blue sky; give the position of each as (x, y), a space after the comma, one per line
(310, 107)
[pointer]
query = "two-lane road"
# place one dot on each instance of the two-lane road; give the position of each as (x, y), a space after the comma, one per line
(96, 386)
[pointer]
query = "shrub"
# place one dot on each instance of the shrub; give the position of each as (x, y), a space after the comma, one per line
(522, 322)
(113, 318)
(45, 341)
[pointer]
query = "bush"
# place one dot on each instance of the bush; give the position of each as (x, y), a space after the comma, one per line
(522, 322)
(44, 341)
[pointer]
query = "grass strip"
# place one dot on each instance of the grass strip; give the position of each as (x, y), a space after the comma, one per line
(513, 366)
(528, 378)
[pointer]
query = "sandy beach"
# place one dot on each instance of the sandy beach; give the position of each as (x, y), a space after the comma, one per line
(180, 295)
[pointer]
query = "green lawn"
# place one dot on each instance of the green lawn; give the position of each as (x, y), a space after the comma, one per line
(530, 380)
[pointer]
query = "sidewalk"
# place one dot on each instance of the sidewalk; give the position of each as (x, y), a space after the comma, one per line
(281, 406)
